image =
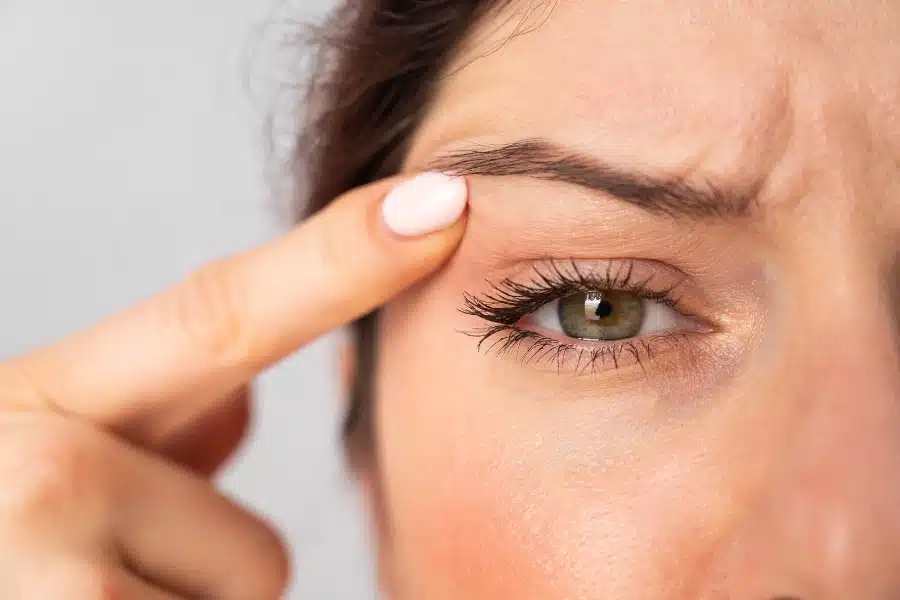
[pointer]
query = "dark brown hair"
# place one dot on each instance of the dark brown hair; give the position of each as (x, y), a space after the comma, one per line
(375, 68)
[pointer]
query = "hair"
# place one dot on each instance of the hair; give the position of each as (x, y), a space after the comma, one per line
(375, 66)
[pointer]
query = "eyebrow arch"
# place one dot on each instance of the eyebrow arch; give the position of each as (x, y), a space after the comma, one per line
(543, 159)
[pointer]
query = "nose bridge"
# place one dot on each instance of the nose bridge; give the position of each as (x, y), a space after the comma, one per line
(825, 523)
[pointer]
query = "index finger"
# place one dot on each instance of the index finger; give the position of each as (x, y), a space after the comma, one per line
(230, 320)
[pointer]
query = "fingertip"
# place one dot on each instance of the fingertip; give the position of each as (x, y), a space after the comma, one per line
(428, 203)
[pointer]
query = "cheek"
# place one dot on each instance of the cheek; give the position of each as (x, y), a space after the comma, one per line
(494, 491)
(456, 503)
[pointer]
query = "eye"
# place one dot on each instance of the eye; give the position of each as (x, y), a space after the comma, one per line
(607, 316)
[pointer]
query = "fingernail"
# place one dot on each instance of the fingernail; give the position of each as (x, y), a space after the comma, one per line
(428, 203)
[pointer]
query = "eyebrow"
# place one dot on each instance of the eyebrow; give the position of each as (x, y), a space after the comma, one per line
(540, 158)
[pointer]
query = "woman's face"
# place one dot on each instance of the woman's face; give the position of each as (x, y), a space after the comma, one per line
(685, 236)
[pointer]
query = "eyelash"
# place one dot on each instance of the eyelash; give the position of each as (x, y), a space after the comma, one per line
(510, 301)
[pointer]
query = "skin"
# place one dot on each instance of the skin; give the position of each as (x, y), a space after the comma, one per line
(756, 461)
(104, 488)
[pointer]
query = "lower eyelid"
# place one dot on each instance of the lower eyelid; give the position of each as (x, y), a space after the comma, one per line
(553, 350)
(585, 357)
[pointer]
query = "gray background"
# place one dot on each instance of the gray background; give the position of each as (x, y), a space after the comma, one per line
(131, 151)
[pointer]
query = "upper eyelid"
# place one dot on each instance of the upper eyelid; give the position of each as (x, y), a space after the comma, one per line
(594, 274)
(589, 266)
(510, 299)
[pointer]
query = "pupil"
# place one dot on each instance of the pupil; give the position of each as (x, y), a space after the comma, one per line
(604, 309)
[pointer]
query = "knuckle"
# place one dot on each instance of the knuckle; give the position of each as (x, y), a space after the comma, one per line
(18, 389)
(208, 312)
(54, 473)
(98, 583)
(331, 248)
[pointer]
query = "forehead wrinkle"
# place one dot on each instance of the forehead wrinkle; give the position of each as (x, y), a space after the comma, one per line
(735, 126)
(740, 159)
(741, 112)
(756, 154)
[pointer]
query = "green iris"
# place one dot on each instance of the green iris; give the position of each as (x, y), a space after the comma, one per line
(608, 315)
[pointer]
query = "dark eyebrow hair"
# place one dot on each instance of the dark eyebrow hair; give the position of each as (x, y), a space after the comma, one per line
(540, 158)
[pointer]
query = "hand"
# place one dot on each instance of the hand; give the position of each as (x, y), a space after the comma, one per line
(108, 437)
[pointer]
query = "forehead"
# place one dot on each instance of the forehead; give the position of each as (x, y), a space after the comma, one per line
(712, 83)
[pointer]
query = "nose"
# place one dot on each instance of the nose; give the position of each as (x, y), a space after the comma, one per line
(823, 521)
